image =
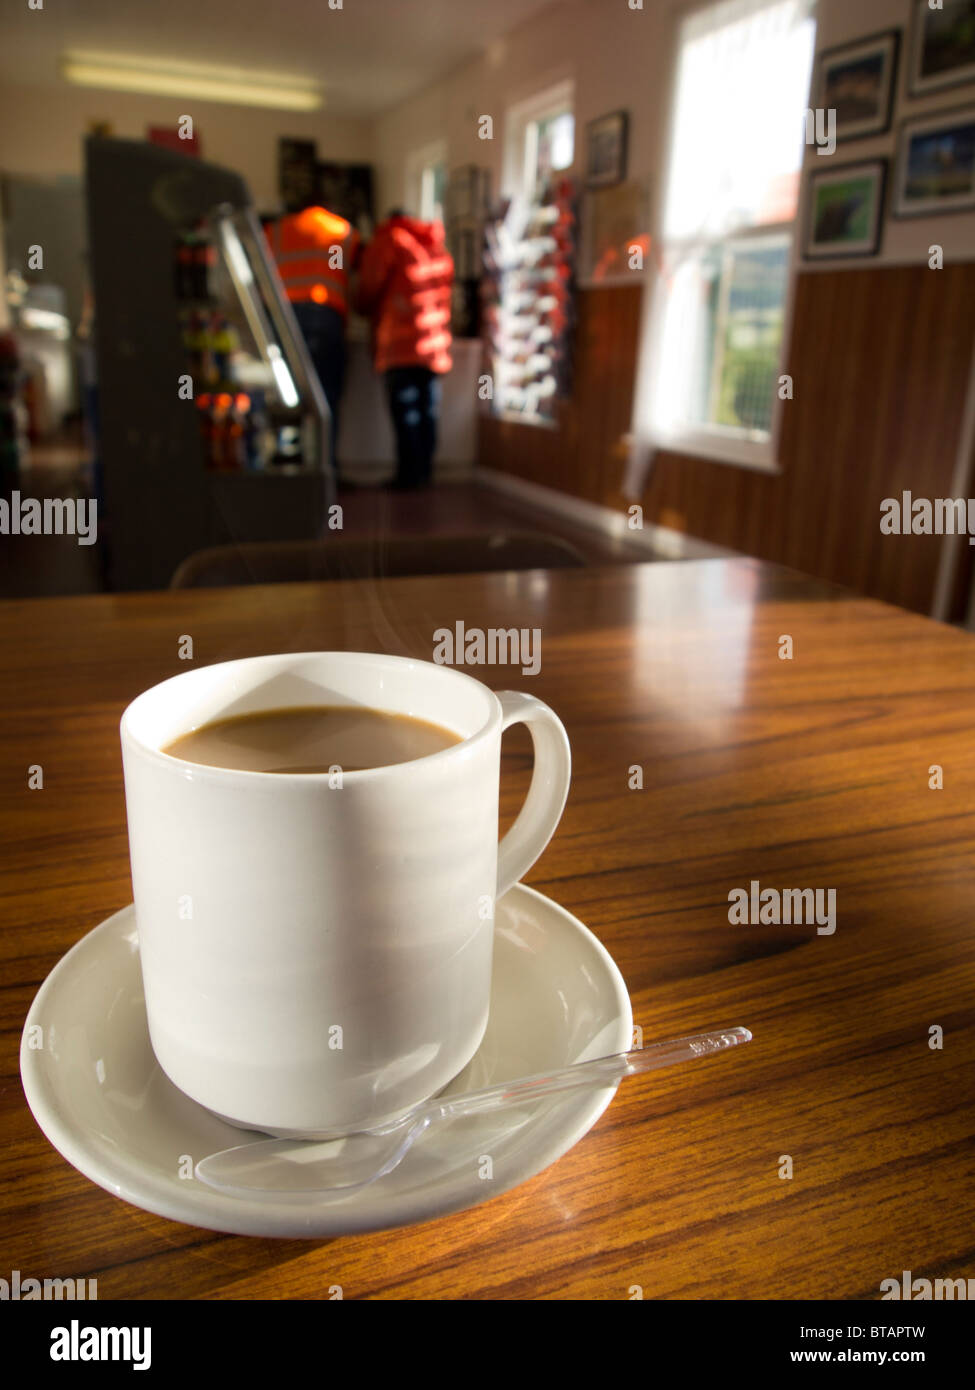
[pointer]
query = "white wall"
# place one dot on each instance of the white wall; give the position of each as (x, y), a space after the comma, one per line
(904, 241)
(616, 56)
(42, 128)
(619, 57)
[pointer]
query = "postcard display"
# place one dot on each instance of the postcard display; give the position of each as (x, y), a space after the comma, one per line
(465, 208)
(528, 294)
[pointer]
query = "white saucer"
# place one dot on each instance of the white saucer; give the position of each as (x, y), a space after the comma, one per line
(101, 1098)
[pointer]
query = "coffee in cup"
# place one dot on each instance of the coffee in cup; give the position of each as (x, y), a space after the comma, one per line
(314, 738)
(316, 946)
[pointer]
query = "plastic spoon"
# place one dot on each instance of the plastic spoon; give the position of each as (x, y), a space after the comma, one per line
(283, 1168)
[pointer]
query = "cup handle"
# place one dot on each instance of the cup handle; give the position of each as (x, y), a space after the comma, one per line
(539, 816)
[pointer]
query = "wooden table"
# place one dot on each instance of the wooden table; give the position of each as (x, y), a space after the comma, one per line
(809, 772)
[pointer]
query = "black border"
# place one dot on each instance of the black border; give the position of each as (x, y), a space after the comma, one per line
(831, 169)
(917, 30)
(624, 149)
(916, 119)
(829, 53)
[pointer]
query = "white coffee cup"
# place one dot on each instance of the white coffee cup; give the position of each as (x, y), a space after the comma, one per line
(316, 951)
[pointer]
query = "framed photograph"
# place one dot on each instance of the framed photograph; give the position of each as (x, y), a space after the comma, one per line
(463, 244)
(467, 192)
(615, 222)
(346, 189)
(297, 179)
(606, 150)
(857, 81)
(936, 164)
(942, 46)
(844, 209)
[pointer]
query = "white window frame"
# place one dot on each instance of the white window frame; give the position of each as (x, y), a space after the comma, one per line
(430, 210)
(418, 163)
(520, 154)
(722, 443)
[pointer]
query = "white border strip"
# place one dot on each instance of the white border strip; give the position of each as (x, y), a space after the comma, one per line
(961, 482)
(659, 541)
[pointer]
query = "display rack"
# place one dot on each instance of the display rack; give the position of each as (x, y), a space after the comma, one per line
(466, 202)
(528, 293)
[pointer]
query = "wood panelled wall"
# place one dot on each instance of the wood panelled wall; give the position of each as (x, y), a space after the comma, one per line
(583, 455)
(880, 360)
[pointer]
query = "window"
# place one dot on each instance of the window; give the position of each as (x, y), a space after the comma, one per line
(549, 145)
(540, 141)
(433, 181)
(715, 336)
(426, 180)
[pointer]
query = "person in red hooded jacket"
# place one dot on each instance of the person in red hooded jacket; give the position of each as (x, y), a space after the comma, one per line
(405, 279)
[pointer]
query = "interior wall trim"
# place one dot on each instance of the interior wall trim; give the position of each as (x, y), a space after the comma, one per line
(658, 541)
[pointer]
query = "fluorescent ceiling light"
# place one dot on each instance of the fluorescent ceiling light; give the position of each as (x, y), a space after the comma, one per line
(158, 77)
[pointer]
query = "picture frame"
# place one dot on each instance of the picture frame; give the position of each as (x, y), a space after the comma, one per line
(936, 164)
(942, 46)
(613, 220)
(858, 81)
(606, 149)
(297, 173)
(347, 189)
(844, 210)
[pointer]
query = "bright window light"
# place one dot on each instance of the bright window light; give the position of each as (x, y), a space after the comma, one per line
(433, 183)
(737, 143)
(713, 337)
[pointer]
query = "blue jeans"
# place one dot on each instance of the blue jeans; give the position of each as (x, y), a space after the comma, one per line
(414, 402)
(323, 330)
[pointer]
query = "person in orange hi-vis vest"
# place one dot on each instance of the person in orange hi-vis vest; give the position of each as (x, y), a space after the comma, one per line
(405, 279)
(315, 250)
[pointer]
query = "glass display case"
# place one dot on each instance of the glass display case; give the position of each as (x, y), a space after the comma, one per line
(214, 424)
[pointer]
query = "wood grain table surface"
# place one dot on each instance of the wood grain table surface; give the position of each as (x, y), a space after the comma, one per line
(804, 773)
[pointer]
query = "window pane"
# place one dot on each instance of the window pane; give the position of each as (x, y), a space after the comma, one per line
(553, 138)
(713, 360)
(563, 136)
(439, 188)
(737, 143)
(722, 337)
(746, 364)
(432, 183)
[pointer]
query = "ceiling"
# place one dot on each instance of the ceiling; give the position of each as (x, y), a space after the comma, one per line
(368, 55)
